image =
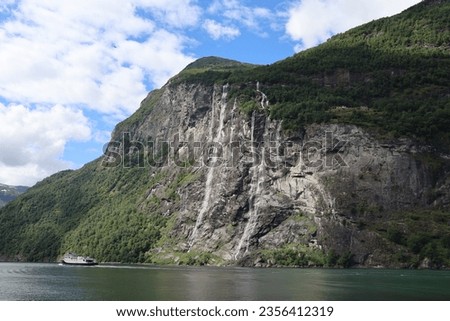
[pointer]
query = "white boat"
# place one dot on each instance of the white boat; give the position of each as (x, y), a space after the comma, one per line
(74, 259)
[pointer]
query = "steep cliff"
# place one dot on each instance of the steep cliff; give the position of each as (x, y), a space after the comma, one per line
(337, 156)
(246, 193)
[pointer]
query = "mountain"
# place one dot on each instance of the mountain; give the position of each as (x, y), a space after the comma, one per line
(337, 156)
(9, 193)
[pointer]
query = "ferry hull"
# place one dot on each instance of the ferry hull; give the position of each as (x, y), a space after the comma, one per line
(79, 263)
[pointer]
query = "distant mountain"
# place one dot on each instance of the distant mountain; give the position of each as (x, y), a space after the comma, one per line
(10, 193)
(337, 156)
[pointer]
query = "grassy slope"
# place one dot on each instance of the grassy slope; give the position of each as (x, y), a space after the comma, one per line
(91, 210)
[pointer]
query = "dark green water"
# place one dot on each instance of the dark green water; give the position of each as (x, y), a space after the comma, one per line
(22, 281)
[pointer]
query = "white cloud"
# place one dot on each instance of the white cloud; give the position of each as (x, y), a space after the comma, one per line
(95, 55)
(313, 21)
(251, 17)
(33, 140)
(218, 31)
(68, 52)
(179, 14)
(102, 136)
(158, 56)
(5, 4)
(254, 18)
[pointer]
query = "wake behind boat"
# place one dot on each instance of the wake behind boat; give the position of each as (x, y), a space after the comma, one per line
(74, 259)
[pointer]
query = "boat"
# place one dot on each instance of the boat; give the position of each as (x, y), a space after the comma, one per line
(74, 259)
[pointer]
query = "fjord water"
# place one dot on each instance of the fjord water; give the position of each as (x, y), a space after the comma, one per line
(23, 281)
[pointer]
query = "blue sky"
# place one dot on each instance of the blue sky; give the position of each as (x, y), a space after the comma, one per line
(70, 70)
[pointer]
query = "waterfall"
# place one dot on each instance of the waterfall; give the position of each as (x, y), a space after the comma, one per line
(213, 117)
(278, 144)
(252, 136)
(229, 147)
(223, 104)
(264, 100)
(233, 115)
(256, 189)
(278, 132)
(214, 136)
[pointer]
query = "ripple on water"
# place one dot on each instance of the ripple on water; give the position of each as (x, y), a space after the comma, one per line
(22, 281)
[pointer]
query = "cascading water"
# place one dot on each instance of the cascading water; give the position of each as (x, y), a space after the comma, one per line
(233, 115)
(256, 188)
(264, 100)
(215, 137)
(229, 150)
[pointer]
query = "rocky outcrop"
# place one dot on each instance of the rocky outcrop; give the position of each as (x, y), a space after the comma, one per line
(239, 188)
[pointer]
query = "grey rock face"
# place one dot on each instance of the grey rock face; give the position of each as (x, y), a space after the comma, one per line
(253, 188)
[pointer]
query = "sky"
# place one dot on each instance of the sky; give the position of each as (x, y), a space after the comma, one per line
(71, 70)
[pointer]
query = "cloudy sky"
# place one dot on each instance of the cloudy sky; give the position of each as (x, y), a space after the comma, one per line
(70, 70)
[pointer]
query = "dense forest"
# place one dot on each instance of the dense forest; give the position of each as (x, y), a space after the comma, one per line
(390, 75)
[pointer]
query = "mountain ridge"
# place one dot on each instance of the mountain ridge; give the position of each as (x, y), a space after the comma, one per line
(8, 193)
(355, 69)
(152, 199)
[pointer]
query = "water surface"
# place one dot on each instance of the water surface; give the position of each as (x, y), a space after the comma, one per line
(25, 281)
